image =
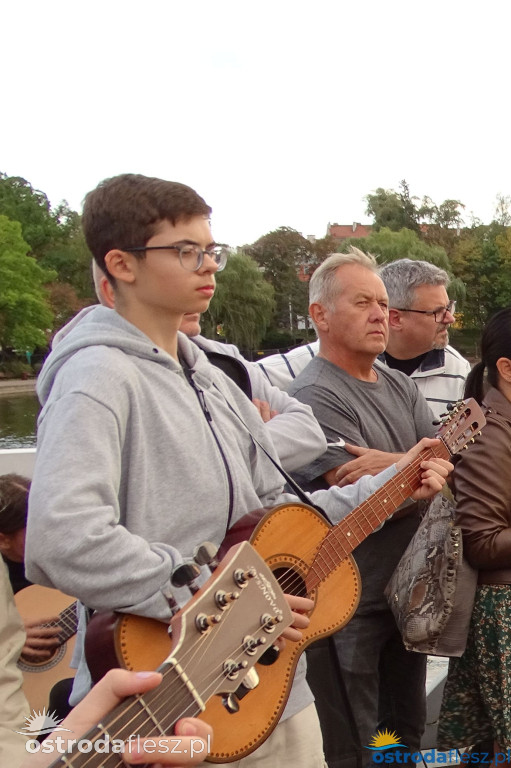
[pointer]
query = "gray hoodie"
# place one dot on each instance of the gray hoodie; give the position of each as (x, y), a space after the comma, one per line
(133, 469)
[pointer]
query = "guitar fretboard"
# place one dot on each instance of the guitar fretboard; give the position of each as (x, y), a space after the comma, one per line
(353, 529)
(67, 621)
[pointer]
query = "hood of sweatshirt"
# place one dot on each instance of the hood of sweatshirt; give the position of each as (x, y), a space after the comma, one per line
(100, 326)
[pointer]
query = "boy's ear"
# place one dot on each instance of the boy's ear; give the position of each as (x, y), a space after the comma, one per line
(120, 265)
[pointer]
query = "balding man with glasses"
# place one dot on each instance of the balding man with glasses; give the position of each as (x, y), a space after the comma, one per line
(420, 313)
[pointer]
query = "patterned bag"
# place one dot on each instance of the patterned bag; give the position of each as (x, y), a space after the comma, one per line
(431, 592)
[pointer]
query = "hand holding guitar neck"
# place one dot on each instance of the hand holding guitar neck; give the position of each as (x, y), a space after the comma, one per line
(42, 636)
(434, 470)
(194, 736)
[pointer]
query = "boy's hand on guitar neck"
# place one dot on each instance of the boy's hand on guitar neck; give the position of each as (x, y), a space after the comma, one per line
(41, 639)
(371, 462)
(434, 471)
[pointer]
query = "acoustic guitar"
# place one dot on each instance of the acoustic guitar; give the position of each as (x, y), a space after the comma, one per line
(210, 647)
(40, 676)
(309, 557)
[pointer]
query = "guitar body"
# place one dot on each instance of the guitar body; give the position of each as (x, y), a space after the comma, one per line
(287, 538)
(39, 677)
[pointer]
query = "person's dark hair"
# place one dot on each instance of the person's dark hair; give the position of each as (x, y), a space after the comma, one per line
(495, 343)
(124, 212)
(13, 502)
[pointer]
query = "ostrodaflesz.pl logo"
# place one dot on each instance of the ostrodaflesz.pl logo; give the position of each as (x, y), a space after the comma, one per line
(387, 747)
(43, 723)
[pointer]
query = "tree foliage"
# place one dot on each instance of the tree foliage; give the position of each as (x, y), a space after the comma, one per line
(25, 316)
(242, 306)
(393, 210)
(287, 259)
(40, 226)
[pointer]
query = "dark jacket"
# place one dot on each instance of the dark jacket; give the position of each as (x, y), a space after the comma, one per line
(482, 480)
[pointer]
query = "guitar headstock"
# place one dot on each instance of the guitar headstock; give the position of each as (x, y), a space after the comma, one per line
(228, 624)
(462, 424)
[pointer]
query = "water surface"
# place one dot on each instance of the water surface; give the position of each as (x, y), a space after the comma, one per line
(18, 417)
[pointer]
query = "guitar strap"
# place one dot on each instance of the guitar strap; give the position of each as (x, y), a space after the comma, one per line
(289, 480)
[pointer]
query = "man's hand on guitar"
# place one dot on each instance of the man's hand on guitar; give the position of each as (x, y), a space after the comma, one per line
(111, 690)
(434, 471)
(41, 640)
(369, 462)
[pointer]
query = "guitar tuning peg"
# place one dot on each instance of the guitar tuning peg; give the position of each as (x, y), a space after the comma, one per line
(270, 656)
(231, 703)
(184, 575)
(171, 600)
(206, 554)
(452, 406)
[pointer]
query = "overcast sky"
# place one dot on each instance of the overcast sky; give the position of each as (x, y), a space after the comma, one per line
(278, 113)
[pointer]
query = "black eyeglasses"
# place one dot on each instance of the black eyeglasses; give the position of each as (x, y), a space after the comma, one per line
(438, 314)
(191, 257)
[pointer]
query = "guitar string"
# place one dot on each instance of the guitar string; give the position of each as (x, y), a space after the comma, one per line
(201, 645)
(159, 698)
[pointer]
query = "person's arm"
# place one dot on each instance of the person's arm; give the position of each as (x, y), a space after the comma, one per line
(369, 461)
(187, 746)
(296, 435)
(74, 541)
(338, 502)
(483, 499)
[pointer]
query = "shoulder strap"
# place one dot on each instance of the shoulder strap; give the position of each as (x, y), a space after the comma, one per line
(289, 480)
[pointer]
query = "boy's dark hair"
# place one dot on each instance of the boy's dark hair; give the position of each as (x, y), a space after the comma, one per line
(13, 502)
(124, 212)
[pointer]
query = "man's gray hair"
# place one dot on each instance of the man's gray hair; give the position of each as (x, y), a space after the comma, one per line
(323, 287)
(403, 276)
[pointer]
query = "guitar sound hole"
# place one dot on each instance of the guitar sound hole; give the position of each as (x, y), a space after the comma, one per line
(290, 581)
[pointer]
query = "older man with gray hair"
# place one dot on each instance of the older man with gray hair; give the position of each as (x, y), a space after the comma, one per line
(366, 408)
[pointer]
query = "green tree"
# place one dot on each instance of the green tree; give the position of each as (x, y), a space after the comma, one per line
(482, 259)
(25, 316)
(242, 306)
(441, 224)
(286, 258)
(40, 226)
(393, 210)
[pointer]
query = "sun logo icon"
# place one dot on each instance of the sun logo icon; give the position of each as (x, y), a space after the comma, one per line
(41, 723)
(384, 740)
